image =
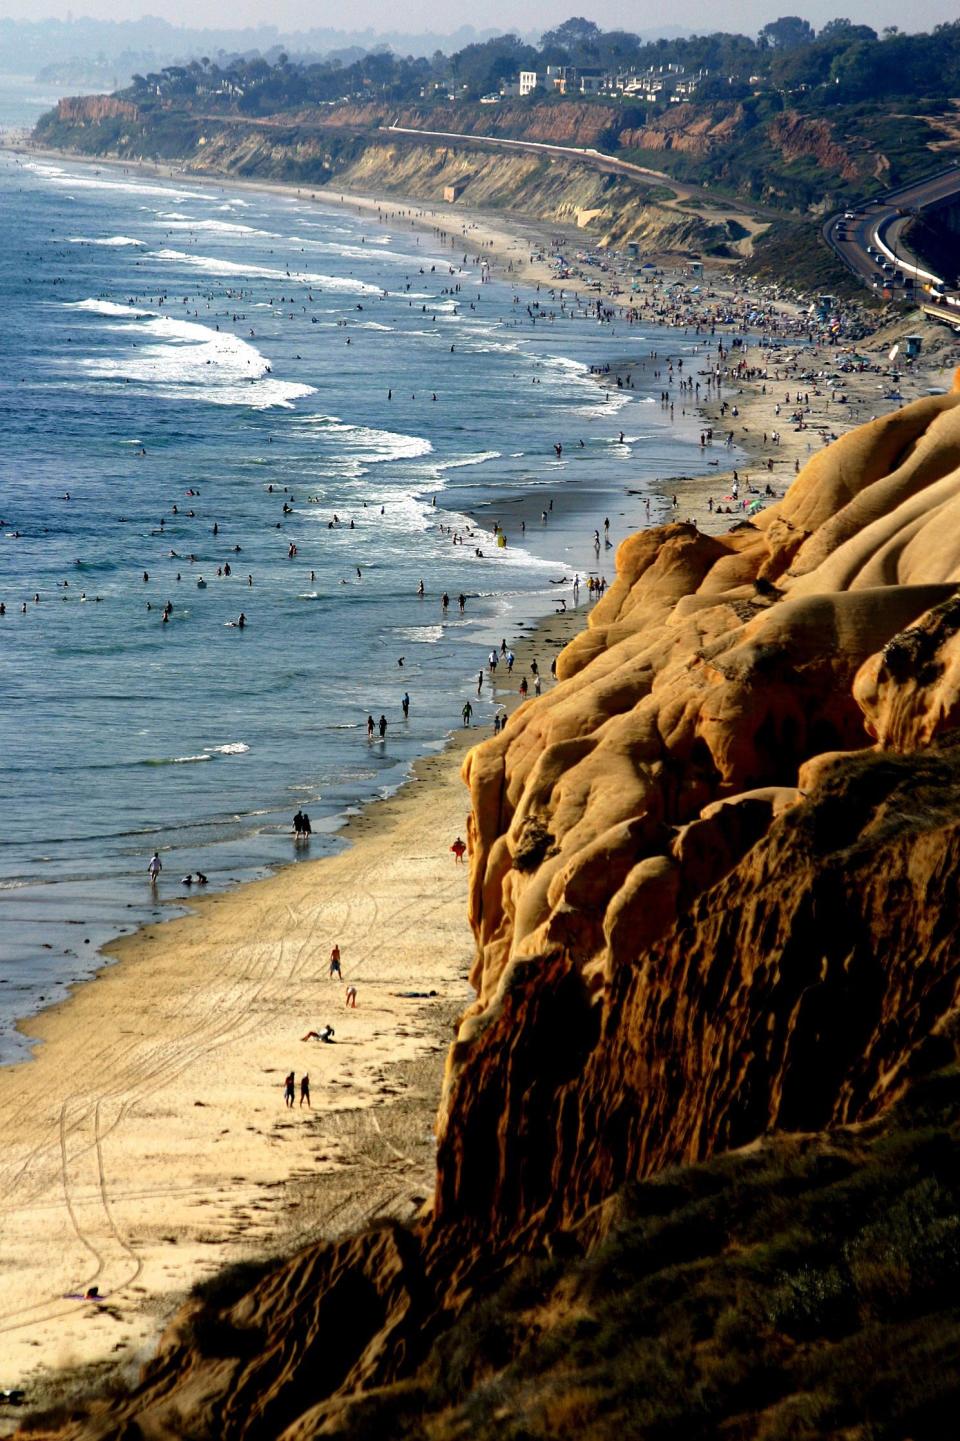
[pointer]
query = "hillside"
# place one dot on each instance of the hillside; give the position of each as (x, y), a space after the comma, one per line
(697, 1148)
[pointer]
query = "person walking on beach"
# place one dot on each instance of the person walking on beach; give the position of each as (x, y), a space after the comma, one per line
(335, 963)
(154, 868)
(383, 727)
(523, 688)
(288, 1089)
(467, 713)
(459, 850)
(305, 1090)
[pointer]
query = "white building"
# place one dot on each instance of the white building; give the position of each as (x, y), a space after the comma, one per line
(528, 81)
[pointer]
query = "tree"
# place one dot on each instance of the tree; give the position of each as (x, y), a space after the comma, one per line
(842, 29)
(788, 32)
(577, 36)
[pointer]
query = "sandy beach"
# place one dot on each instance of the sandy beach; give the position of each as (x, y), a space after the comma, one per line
(147, 1144)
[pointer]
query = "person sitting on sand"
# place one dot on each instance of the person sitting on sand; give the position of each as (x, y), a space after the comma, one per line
(326, 1033)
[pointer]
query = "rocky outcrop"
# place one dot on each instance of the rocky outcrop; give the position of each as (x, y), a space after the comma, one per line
(715, 883)
(692, 129)
(94, 109)
(798, 137)
(546, 187)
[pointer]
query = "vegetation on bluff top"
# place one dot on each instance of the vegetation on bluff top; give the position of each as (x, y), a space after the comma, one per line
(796, 121)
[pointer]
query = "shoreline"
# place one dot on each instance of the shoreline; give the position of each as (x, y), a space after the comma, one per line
(521, 506)
(148, 1124)
(497, 241)
(146, 1134)
(146, 1144)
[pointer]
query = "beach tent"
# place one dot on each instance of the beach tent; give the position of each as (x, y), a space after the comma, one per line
(754, 507)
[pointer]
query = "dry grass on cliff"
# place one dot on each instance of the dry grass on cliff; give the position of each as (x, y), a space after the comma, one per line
(804, 1288)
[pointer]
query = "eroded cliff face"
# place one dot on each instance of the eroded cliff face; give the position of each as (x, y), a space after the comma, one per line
(799, 138)
(693, 129)
(94, 109)
(547, 188)
(715, 884)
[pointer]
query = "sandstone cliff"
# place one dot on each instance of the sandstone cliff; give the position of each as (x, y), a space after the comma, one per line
(715, 884)
(94, 109)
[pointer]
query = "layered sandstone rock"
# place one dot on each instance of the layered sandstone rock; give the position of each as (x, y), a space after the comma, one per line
(715, 883)
(93, 109)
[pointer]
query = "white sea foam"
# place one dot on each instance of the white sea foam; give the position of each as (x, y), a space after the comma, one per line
(358, 446)
(217, 227)
(480, 458)
(187, 360)
(232, 748)
(114, 241)
(56, 175)
(210, 265)
(356, 252)
(105, 307)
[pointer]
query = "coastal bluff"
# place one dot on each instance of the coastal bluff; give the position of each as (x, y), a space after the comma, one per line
(714, 892)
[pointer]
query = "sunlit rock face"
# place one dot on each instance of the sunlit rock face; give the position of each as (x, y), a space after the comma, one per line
(715, 888)
(654, 891)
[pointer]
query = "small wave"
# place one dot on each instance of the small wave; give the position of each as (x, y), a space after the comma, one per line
(232, 748)
(114, 241)
(210, 265)
(56, 175)
(479, 459)
(187, 360)
(218, 227)
(175, 760)
(365, 445)
(105, 307)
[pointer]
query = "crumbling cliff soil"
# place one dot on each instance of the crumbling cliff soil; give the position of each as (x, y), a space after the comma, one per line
(714, 888)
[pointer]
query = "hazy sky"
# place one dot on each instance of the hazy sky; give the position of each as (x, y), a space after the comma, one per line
(745, 16)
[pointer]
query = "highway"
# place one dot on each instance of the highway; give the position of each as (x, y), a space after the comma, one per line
(868, 238)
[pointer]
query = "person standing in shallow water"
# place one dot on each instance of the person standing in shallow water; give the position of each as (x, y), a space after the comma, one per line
(154, 868)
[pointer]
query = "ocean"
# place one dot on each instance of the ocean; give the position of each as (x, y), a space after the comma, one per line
(227, 401)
